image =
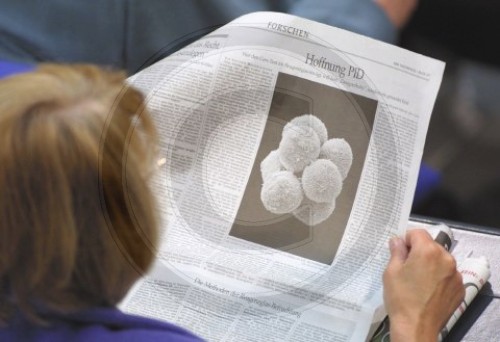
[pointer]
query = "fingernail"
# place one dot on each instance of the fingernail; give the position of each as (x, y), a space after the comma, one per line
(396, 242)
(393, 242)
(397, 246)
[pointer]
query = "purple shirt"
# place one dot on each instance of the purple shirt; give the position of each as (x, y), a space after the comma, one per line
(97, 324)
(11, 68)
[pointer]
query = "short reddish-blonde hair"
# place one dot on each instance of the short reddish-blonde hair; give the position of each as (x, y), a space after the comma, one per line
(77, 218)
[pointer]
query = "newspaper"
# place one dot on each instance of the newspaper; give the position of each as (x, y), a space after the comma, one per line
(253, 249)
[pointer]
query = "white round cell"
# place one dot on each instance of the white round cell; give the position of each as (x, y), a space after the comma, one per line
(312, 213)
(322, 181)
(270, 165)
(281, 193)
(309, 120)
(298, 148)
(340, 153)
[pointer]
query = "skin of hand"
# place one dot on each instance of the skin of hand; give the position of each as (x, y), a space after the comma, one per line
(398, 11)
(422, 287)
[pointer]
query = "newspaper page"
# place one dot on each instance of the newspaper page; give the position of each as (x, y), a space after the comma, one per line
(289, 156)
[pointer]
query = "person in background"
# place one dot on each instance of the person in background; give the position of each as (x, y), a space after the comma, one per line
(131, 35)
(74, 239)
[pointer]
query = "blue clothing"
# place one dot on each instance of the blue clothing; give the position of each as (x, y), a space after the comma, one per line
(428, 180)
(98, 324)
(10, 68)
(129, 34)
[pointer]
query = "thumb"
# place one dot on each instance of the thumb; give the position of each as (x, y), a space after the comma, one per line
(399, 250)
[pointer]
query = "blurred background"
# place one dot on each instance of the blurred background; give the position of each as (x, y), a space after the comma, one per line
(463, 141)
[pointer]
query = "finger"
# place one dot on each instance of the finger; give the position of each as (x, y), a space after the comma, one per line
(416, 237)
(399, 250)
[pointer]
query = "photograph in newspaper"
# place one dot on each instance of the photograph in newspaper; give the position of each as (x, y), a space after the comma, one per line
(308, 166)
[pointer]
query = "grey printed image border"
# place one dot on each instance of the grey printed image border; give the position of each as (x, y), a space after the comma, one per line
(346, 115)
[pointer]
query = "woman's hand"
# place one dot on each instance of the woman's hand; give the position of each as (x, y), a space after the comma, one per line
(422, 287)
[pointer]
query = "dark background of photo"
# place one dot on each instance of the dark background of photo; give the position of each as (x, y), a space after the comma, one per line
(463, 143)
